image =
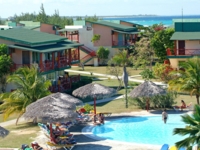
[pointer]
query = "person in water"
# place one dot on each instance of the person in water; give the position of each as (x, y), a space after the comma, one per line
(164, 116)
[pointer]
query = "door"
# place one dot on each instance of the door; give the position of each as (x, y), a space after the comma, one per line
(120, 39)
(181, 47)
(25, 57)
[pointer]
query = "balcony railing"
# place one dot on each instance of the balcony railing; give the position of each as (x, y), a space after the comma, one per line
(122, 43)
(45, 66)
(185, 52)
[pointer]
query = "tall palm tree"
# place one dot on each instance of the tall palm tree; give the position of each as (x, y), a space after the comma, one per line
(31, 86)
(192, 129)
(188, 80)
(123, 59)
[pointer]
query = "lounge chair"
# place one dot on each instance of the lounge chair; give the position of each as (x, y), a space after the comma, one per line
(188, 107)
(165, 147)
(54, 146)
(175, 148)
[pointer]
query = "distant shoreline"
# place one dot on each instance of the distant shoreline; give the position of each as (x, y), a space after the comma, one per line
(132, 16)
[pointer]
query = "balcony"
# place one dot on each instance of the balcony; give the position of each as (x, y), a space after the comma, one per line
(122, 43)
(183, 53)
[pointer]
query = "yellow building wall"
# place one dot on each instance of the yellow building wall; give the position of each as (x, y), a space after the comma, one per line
(174, 62)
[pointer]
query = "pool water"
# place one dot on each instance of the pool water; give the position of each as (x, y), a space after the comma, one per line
(144, 130)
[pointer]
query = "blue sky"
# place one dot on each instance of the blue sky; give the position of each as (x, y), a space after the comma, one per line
(101, 7)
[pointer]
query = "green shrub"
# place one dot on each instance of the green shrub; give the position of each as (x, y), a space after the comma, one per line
(160, 101)
(88, 107)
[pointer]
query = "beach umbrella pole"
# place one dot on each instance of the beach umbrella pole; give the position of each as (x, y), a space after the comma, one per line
(94, 109)
(147, 104)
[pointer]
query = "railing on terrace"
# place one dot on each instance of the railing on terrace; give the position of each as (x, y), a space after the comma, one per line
(186, 52)
(45, 66)
(121, 43)
(63, 63)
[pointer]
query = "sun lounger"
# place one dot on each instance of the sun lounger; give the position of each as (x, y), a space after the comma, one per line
(53, 146)
(165, 147)
(188, 107)
(173, 148)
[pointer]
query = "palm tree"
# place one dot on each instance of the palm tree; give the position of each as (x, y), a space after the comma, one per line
(192, 129)
(188, 79)
(31, 86)
(122, 59)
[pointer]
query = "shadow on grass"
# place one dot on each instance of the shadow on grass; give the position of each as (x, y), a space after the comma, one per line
(23, 126)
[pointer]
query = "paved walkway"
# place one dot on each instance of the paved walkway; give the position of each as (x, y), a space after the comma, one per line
(131, 78)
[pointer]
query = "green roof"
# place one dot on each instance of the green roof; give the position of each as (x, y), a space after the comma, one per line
(29, 37)
(186, 36)
(69, 30)
(48, 48)
(126, 32)
(131, 23)
(31, 27)
(30, 23)
(186, 20)
(79, 22)
(114, 25)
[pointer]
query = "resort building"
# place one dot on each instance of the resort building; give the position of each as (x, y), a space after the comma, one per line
(113, 36)
(52, 54)
(186, 40)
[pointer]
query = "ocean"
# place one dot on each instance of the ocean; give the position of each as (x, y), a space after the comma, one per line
(150, 20)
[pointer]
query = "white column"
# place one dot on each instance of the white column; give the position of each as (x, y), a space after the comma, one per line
(96, 63)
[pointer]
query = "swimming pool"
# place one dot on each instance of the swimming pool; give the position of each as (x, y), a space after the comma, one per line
(144, 130)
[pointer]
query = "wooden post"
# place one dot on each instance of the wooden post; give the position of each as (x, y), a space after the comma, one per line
(53, 60)
(78, 37)
(70, 56)
(58, 59)
(147, 104)
(78, 53)
(175, 48)
(41, 64)
(94, 109)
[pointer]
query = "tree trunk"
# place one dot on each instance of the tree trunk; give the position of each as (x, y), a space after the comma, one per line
(125, 80)
(126, 97)
(197, 97)
(18, 118)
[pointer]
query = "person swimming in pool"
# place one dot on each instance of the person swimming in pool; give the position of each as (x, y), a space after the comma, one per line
(164, 116)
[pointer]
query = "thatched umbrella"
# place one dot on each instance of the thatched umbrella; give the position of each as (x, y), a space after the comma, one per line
(53, 108)
(94, 90)
(68, 98)
(147, 89)
(3, 132)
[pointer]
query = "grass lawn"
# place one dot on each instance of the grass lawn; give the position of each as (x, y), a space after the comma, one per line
(23, 133)
(103, 70)
(9, 118)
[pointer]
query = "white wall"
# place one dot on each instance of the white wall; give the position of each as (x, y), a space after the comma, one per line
(73, 27)
(85, 37)
(192, 47)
